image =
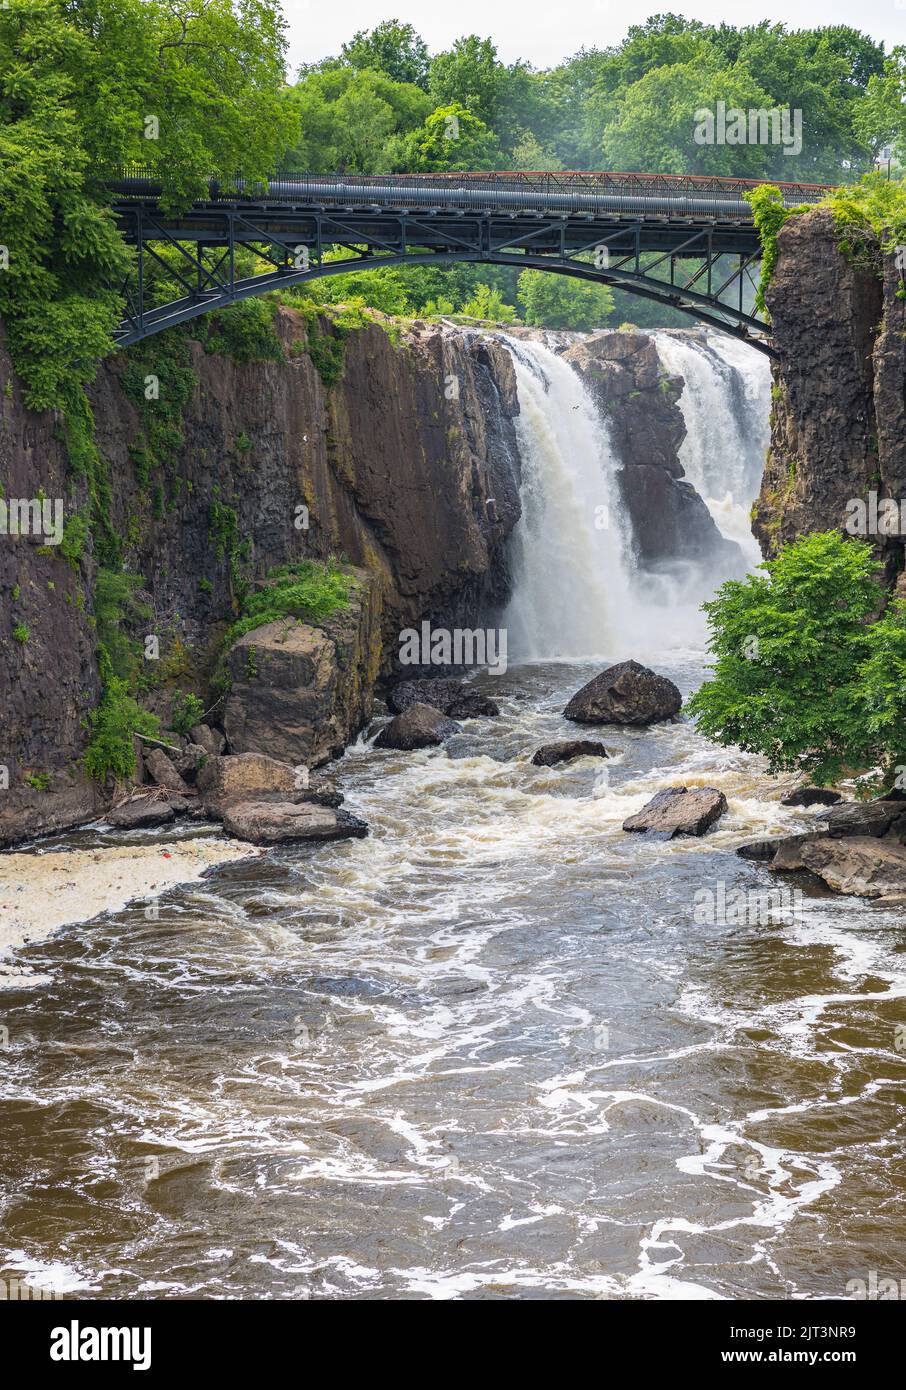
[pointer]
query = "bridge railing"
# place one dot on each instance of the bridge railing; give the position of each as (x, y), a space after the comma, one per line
(565, 191)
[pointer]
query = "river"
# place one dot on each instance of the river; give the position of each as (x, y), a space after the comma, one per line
(498, 1049)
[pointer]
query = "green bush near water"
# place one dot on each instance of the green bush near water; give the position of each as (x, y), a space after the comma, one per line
(804, 672)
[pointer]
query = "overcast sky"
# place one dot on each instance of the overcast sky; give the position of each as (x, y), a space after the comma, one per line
(544, 31)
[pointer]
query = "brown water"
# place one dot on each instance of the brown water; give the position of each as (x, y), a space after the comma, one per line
(498, 1049)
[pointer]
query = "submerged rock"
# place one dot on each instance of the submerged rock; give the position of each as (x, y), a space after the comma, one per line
(420, 726)
(278, 822)
(679, 811)
(627, 693)
(811, 796)
(451, 697)
(564, 752)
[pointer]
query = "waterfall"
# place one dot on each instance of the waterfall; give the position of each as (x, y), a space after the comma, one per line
(572, 586)
(726, 407)
(578, 590)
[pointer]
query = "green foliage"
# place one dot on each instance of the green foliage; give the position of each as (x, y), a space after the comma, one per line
(86, 461)
(21, 633)
(112, 727)
(487, 304)
(450, 138)
(116, 608)
(309, 591)
(390, 48)
(78, 84)
(870, 216)
(188, 711)
(164, 360)
(245, 332)
(556, 301)
(769, 214)
(880, 114)
(802, 673)
(75, 537)
(38, 781)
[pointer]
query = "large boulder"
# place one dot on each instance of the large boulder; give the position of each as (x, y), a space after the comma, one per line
(862, 818)
(451, 697)
(627, 693)
(300, 692)
(280, 822)
(420, 726)
(246, 777)
(789, 853)
(143, 812)
(862, 865)
(211, 740)
(162, 771)
(680, 811)
(565, 751)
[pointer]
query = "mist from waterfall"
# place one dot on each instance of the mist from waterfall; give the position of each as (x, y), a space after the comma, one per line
(579, 592)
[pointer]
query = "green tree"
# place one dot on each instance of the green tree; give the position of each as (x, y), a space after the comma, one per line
(469, 74)
(655, 122)
(392, 48)
(556, 301)
(487, 304)
(801, 674)
(450, 138)
(880, 116)
(82, 86)
(348, 120)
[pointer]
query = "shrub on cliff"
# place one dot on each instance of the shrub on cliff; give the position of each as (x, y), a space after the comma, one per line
(308, 591)
(802, 674)
(113, 726)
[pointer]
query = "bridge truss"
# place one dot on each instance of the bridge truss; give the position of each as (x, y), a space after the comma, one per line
(610, 229)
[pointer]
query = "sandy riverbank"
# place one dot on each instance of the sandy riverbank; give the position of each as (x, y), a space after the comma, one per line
(42, 891)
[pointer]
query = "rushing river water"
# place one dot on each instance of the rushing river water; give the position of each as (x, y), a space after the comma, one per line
(497, 1049)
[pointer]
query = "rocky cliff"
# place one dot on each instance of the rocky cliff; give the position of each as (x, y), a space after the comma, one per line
(838, 424)
(211, 473)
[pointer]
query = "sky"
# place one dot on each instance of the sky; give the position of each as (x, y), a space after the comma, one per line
(544, 31)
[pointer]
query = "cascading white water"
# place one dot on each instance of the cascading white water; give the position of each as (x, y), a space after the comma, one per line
(725, 404)
(571, 570)
(578, 592)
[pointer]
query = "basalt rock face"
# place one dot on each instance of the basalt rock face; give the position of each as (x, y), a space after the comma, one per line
(637, 397)
(838, 424)
(299, 692)
(396, 464)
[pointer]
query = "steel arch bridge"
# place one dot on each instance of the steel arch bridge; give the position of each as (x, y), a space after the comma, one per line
(611, 229)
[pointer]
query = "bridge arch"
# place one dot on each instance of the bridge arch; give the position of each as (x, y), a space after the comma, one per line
(549, 222)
